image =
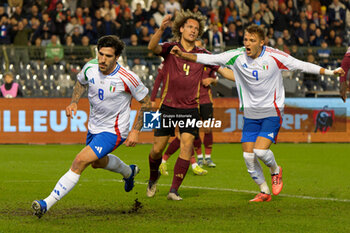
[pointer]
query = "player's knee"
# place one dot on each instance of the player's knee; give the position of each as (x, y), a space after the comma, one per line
(95, 165)
(248, 157)
(78, 161)
(187, 145)
(260, 153)
(187, 141)
(79, 165)
(187, 149)
(157, 149)
(156, 152)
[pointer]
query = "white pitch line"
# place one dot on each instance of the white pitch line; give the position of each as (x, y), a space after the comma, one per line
(190, 187)
(249, 191)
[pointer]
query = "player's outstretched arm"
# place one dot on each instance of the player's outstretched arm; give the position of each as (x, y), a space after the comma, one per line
(337, 72)
(227, 73)
(133, 136)
(219, 59)
(188, 56)
(295, 64)
(153, 43)
(78, 91)
(291, 63)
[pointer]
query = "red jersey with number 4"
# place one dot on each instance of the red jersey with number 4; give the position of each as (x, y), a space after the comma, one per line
(182, 77)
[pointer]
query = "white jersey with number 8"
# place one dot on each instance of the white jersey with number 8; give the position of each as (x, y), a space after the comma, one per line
(110, 97)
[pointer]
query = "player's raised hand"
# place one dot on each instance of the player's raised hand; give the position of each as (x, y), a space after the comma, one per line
(132, 138)
(176, 51)
(71, 108)
(166, 21)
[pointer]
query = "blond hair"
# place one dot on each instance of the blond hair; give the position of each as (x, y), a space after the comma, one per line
(182, 18)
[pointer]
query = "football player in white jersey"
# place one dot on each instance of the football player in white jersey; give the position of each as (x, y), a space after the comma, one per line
(257, 70)
(110, 90)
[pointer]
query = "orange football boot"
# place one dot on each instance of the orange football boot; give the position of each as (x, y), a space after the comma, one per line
(261, 197)
(277, 183)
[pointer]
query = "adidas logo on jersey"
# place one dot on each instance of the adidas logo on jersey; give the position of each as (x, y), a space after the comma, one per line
(98, 148)
(270, 135)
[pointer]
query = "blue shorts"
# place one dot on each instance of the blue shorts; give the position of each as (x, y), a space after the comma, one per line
(266, 127)
(103, 143)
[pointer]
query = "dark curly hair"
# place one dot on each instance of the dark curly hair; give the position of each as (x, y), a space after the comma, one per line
(113, 42)
(182, 18)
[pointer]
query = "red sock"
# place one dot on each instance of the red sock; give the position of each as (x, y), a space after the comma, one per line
(180, 171)
(166, 157)
(193, 160)
(172, 148)
(208, 142)
(197, 143)
(153, 168)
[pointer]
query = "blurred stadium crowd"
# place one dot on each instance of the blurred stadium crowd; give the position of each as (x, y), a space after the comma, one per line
(45, 42)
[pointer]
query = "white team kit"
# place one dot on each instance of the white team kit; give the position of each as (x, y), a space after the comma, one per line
(110, 97)
(259, 81)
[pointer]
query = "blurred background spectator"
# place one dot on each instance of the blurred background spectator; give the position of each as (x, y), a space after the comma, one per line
(54, 52)
(10, 89)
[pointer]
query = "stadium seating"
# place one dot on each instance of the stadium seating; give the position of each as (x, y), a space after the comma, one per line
(39, 79)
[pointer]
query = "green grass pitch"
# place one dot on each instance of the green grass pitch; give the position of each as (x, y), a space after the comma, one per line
(315, 198)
